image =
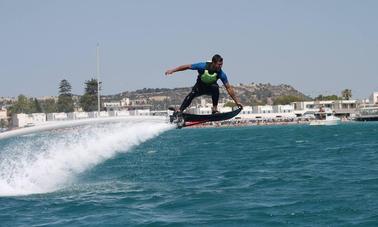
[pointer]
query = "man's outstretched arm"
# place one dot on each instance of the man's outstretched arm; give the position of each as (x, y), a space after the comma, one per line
(177, 69)
(231, 92)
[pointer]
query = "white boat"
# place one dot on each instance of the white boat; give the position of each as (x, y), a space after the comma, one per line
(367, 113)
(325, 117)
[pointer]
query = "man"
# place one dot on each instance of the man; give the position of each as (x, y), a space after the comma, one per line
(208, 74)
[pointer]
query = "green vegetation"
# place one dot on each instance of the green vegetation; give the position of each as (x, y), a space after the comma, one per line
(327, 98)
(255, 102)
(89, 100)
(28, 106)
(49, 106)
(3, 123)
(22, 105)
(36, 107)
(65, 101)
(230, 104)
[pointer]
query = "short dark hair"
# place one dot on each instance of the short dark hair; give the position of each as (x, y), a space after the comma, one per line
(216, 58)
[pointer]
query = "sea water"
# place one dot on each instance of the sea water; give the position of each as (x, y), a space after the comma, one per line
(151, 174)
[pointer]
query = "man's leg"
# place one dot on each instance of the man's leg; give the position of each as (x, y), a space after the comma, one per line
(214, 88)
(189, 98)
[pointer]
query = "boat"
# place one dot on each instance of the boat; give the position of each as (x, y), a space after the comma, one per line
(367, 113)
(325, 117)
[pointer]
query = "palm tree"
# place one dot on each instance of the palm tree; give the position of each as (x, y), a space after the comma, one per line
(346, 94)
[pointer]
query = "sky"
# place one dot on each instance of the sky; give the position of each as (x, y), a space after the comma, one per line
(318, 47)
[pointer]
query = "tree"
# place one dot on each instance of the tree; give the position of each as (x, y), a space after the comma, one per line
(346, 94)
(35, 106)
(27, 106)
(255, 102)
(65, 101)
(327, 98)
(89, 100)
(22, 105)
(264, 93)
(49, 106)
(65, 88)
(230, 104)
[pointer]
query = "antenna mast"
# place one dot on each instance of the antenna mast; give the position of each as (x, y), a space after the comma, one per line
(98, 79)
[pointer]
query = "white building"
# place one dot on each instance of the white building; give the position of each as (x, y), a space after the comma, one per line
(247, 110)
(373, 98)
(203, 102)
(200, 110)
(342, 107)
(283, 109)
(37, 118)
(267, 112)
(118, 113)
(77, 115)
(305, 106)
(145, 112)
(112, 105)
(44, 98)
(116, 105)
(26, 120)
(263, 109)
(20, 120)
(57, 116)
(125, 102)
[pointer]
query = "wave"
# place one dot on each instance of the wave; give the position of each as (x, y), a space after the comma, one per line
(51, 160)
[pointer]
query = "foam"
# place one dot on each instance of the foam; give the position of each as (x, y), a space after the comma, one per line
(49, 161)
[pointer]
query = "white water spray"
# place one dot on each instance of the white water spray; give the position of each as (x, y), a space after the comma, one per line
(50, 161)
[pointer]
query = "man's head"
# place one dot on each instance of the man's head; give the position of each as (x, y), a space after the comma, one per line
(217, 62)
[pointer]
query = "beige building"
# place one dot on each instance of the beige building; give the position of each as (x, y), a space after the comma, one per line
(3, 114)
(373, 98)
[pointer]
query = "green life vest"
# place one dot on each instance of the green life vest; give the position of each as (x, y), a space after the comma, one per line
(208, 77)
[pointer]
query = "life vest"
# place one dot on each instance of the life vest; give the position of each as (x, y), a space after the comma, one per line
(208, 77)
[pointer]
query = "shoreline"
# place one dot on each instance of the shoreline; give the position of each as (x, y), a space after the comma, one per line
(229, 124)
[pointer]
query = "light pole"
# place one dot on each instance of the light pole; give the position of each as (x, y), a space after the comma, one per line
(98, 79)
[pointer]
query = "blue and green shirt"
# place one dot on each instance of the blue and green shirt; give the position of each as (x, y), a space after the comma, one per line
(201, 67)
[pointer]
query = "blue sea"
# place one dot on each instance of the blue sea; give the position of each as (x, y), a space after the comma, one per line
(149, 174)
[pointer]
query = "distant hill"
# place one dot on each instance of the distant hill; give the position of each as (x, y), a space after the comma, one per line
(249, 94)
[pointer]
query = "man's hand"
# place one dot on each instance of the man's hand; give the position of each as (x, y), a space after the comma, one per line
(169, 72)
(177, 69)
(231, 92)
(239, 105)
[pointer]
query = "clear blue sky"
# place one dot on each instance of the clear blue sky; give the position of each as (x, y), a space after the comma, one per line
(315, 46)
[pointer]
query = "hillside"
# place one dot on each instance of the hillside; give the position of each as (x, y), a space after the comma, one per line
(249, 94)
